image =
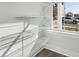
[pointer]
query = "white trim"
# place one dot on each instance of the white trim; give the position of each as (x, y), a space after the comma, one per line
(51, 14)
(37, 52)
(60, 15)
(66, 32)
(63, 51)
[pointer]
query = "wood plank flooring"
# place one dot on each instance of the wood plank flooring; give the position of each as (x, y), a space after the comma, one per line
(48, 53)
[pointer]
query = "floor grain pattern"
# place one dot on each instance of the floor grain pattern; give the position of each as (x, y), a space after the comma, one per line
(48, 53)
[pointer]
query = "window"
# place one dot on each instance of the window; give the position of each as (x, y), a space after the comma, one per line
(71, 18)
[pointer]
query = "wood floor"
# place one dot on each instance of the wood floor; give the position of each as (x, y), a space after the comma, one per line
(48, 53)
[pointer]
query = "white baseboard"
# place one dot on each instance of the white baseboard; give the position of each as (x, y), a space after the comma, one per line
(36, 51)
(63, 51)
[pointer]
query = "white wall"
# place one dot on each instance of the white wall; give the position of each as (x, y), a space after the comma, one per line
(64, 43)
(9, 10)
(6, 38)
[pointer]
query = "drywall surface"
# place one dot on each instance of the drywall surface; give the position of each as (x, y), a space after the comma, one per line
(7, 38)
(9, 10)
(64, 43)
